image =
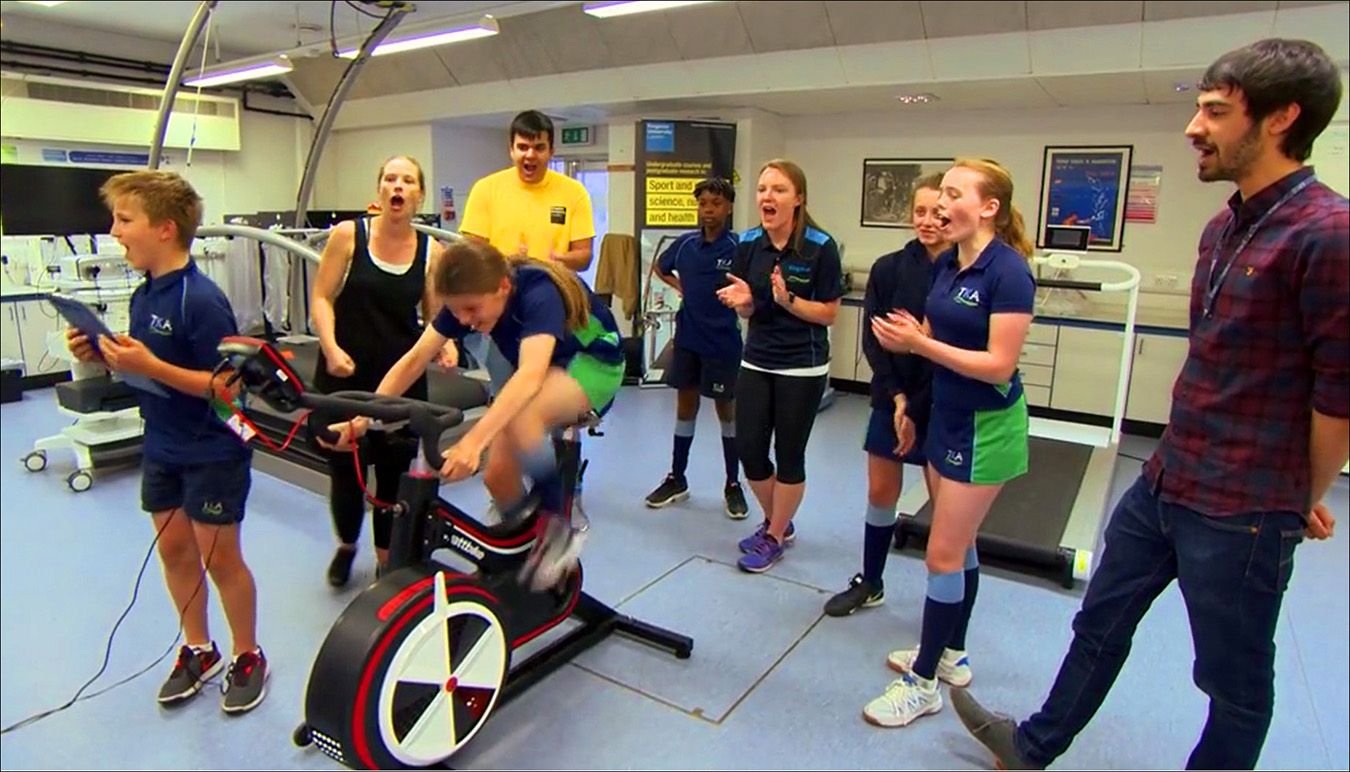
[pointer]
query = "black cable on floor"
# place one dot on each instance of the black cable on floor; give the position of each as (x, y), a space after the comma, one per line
(107, 652)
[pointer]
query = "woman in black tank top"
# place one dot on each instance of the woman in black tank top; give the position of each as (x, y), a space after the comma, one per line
(364, 305)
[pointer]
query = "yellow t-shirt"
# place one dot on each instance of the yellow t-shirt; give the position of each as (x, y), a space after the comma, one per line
(545, 217)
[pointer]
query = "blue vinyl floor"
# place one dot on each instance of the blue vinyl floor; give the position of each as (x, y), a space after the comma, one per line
(773, 683)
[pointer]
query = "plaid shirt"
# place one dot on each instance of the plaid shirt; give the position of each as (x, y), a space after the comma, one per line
(1275, 348)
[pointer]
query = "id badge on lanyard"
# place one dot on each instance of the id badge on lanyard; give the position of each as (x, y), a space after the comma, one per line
(1216, 282)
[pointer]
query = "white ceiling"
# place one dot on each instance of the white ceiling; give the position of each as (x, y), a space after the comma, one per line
(791, 58)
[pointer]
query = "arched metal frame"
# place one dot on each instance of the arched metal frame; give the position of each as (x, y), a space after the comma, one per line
(392, 17)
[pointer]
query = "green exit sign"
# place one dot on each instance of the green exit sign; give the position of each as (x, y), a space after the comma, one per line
(576, 135)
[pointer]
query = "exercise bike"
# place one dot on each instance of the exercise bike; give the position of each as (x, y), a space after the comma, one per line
(416, 664)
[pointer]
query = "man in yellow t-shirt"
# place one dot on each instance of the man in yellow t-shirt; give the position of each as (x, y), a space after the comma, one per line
(529, 208)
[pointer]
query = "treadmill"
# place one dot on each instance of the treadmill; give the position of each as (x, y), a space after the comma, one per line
(1048, 521)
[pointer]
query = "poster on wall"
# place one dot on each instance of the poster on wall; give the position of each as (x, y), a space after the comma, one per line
(1086, 185)
(672, 157)
(1142, 203)
(888, 186)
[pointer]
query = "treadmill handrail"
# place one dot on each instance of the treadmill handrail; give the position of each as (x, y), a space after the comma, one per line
(260, 234)
(1130, 285)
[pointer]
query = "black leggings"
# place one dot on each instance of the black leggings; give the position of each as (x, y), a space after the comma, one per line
(778, 407)
(391, 457)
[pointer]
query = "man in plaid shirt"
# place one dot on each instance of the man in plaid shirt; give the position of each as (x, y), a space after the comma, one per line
(1258, 429)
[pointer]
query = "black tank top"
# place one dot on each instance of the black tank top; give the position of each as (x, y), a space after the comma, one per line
(376, 318)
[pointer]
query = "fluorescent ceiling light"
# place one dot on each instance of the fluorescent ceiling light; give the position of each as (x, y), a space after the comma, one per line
(607, 10)
(234, 72)
(485, 28)
(44, 3)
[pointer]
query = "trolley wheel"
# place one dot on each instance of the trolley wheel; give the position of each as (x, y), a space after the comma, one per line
(302, 736)
(422, 677)
(35, 461)
(80, 480)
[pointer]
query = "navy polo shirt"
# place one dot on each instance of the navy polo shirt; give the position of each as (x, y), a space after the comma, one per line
(958, 310)
(535, 307)
(777, 339)
(181, 317)
(703, 325)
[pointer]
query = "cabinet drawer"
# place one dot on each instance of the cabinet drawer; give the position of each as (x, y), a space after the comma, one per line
(1037, 375)
(1043, 333)
(1038, 396)
(1037, 354)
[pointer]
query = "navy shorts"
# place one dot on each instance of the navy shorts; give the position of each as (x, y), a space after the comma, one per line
(881, 439)
(985, 447)
(211, 494)
(715, 378)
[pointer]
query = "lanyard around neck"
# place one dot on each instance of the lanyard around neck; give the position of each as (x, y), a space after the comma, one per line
(1216, 282)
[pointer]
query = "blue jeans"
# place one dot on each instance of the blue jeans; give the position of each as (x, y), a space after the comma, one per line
(1233, 572)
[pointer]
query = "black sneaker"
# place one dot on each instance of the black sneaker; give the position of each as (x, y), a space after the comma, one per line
(340, 570)
(736, 506)
(190, 673)
(246, 683)
(673, 489)
(860, 594)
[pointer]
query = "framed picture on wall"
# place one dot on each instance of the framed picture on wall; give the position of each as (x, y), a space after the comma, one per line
(1086, 185)
(888, 186)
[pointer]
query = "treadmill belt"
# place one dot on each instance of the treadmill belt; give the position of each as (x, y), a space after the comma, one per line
(1026, 523)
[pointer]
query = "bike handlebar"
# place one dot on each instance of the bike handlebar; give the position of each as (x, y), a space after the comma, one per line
(427, 420)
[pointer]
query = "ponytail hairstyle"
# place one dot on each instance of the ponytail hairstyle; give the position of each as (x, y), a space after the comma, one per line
(470, 267)
(801, 219)
(996, 182)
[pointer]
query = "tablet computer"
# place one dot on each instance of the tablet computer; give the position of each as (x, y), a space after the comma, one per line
(83, 318)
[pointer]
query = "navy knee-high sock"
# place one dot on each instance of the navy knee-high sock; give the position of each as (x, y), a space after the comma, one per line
(941, 613)
(877, 542)
(729, 456)
(972, 572)
(684, 437)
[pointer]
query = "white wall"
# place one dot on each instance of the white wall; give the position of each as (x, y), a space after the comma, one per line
(831, 150)
(462, 155)
(350, 167)
(263, 175)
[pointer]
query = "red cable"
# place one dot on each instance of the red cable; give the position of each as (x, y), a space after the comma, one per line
(360, 480)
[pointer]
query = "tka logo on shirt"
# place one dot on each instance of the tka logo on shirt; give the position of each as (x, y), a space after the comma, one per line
(970, 298)
(557, 215)
(160, 325)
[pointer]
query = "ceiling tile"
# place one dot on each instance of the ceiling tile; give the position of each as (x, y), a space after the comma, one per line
(1076, 50)
(569, 37)
(638, 39)
(775, 25)
(1162, 10)
(523, 47)
(1056, 14)
(410, 71)
(1103, 89)
(473, 61)
(981, 56)
(855, 22)
(972, 17)
(886, 62)
(708, 31)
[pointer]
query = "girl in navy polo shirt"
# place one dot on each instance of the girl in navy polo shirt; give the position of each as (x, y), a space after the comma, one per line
(786, 281)
(979, 311)
(563, 344)
(901, 394)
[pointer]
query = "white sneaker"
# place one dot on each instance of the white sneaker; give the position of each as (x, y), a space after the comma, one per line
(953, 668)
(906, 699)
(555, 555)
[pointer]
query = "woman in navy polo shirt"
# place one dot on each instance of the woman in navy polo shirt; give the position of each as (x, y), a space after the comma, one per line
(786, 279)
(979, 311)
(901, 394)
